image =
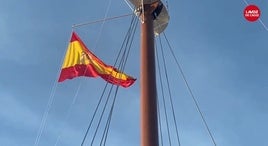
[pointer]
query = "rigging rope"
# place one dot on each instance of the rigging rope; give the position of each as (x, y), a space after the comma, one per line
(190, 90)
(101, 20)
(129, 36)
(94, 114)
(105, 105)
(167, 5)
(160, 122)
(163, 96)
(124, 60)
(100, 102)
(121, 67)
(169, 92)
(108, 122)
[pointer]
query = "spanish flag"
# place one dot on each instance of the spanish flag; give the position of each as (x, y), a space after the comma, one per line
(79, 61)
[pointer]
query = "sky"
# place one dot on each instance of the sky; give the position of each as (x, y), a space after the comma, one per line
(223, 56)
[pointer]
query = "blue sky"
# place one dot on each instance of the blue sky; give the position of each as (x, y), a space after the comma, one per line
(224, 58)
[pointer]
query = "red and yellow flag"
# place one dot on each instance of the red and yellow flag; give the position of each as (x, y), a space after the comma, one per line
(79, 61)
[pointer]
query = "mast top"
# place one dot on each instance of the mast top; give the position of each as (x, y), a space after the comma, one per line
(160, 13)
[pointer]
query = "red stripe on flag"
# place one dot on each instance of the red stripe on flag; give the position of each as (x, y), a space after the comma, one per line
(76, 71)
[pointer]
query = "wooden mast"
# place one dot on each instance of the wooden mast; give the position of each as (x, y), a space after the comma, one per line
(154, 19)
(149, 126)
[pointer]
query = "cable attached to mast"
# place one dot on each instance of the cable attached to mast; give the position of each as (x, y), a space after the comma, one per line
(190, 90)
(169, 93)
(100, 20)
(163, 97)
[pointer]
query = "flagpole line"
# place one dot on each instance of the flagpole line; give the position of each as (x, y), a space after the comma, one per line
(48, 107)
(67, 116)
(80, 83)
(78, 89)
(100, 20)
(74, 99)
(45, 115)
(49, 104)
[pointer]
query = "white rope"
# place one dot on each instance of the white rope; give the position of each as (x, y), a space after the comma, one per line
(127, 2)
(45, 115)
(245, 2)
(80, 84)
(260, 20)
(48, 107)
(265, 27)
(100, 20)
(102, 25)
(69, 112)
